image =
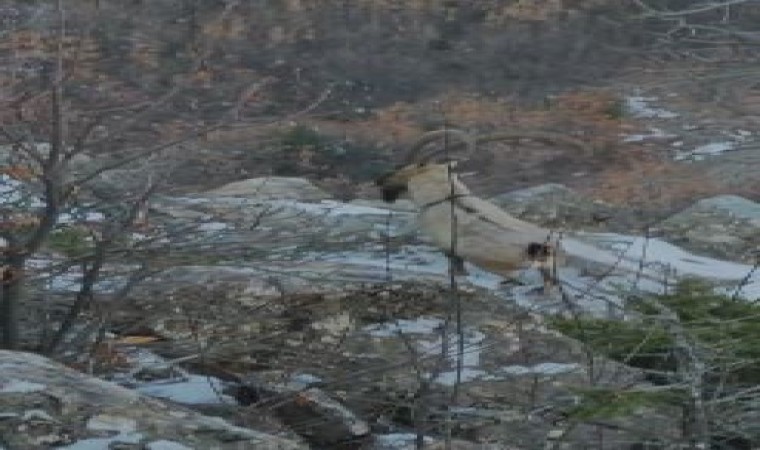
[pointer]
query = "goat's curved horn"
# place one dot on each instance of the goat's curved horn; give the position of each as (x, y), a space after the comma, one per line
(415, 153)
(542, 136)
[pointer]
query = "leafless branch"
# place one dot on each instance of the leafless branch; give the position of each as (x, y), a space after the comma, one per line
(653, 12)
(92, 274)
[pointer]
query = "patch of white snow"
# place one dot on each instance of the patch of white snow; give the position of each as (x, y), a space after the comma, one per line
(639, 106)
(15, 386)
(398, 441)
(421, 325)
(166, 445)
(213, 226)
(547, 368)
(654, 133)
(704, 151)
(107, 422)
(104, 443)
(190, 390)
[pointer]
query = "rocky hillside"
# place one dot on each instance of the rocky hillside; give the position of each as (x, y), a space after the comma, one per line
(306, 322)
(259, 295)
(335, 90)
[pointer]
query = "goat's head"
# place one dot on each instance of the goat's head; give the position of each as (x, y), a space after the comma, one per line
(418, 163)
(547, 257)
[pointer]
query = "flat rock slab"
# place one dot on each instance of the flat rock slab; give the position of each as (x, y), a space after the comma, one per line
(557, 206)
(271, 188)
(726, 226)
(371, 347)
(47, 405)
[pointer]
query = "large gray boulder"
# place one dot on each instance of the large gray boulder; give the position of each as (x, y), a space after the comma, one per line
(309, 411)
(238, 225)
(557, 206)
(44, 404)
(725, 226)
(271, 188)
(370, 348)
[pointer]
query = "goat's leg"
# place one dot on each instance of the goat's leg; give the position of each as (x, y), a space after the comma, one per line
(456, 263)
(513, 278)
(548, 286)
(550, 281)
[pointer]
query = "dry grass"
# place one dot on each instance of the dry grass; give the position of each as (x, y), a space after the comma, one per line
(653, 184)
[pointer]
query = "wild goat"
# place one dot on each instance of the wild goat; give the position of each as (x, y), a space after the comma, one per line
(463, 225)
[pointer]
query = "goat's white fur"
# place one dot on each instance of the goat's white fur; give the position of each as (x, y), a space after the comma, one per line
(484, 234)
(466, 226)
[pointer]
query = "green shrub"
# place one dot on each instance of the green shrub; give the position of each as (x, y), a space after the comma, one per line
(728, 331)
(72, 241)
(724, 332)
(616, 109)
(301, 136)
(605, 403)
(330, 155)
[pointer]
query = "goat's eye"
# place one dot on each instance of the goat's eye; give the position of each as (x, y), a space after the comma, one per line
(538, 250)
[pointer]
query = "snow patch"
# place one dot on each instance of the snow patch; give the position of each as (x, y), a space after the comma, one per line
(16, 193)
(305, 379)
(79, 216)
(704, 151)
(213, 226)
(656, 253)
(189, 390)
(422, 325)
(468, 374)
(472, 345)
(399, 441)
(37, 415)
(654, 134)
(325, 207)
(104, 443)
(106, 422)
(332, 208)
(166, 445)
(541, 369)
(15, 386)
(639, 106)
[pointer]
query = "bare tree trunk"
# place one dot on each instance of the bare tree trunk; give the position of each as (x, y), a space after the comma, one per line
(84, 296)
(12, 283)
(52, 180)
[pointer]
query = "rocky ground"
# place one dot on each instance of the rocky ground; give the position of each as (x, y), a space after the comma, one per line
(285, 317)
(299, 312)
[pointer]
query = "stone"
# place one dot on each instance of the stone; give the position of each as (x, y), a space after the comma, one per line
(407, 441)
(359, 351)
(401, 205)
(229, 226)
(309, 411)
(725, 226)
(271, 188)
(559, 207)
(48, 405)
(739, 207)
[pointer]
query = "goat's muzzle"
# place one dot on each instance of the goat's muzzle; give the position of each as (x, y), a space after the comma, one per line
(391, 191)
(543, 256)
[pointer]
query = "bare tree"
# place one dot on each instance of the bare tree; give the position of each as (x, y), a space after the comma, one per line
(711, 24)
(47, 134)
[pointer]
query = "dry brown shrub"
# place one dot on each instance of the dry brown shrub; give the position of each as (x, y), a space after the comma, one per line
(653, 184)
(145, 55)
(591, 116)
(387, 126)
(231, 27)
